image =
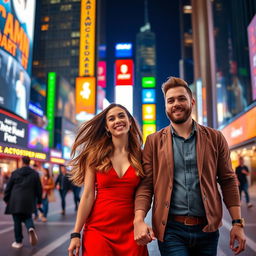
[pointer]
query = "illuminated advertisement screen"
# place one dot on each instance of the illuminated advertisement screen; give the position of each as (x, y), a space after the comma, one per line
(102, 74)
(252, 53)
(148, 96)
(68, 138)
(66, 100)
(124, 72)
(13, 130)
(85, 98)
(124, 96)
(16, 44)
(148, 113)
(148, 129)
(123, 50)
(87, 38)
(148, 82)
(38, 138)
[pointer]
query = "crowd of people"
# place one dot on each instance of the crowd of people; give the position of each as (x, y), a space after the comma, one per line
(177, 172)
(29, 192)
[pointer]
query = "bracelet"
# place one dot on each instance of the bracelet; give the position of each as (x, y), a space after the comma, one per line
(75, 234)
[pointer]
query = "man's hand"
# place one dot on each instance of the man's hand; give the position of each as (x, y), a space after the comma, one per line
(143, 234)
(237, 236)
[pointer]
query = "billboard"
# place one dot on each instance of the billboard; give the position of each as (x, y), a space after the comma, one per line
(124, 72)
(124, 96)
(38, 138)
(87, 38)
(68, 137)
(148, 82)
(102, 74)
(148, 113)
(13, 130)
(123, 50)
(148, 96)
(242, 129)
(66, 100)
(85, 98)
(16, 44)
(252, 53)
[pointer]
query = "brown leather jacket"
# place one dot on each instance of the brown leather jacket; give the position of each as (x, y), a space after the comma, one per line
(214, 166)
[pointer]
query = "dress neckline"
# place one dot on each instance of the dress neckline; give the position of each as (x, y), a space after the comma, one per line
(123, 174)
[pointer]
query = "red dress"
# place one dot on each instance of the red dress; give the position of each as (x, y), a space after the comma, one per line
(109, 228)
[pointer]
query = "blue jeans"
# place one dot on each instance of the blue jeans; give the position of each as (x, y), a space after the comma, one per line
(244, 187)
(185, 240)
(45, 204)
(18, 219)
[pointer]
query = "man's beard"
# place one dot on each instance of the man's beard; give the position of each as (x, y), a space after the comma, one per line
(180, 120)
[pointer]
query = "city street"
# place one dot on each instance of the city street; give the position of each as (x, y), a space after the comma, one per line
(54, 235)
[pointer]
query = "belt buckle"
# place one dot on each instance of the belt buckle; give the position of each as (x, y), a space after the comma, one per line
(189, 223)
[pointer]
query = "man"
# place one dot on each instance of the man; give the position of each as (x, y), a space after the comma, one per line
(21, 193)
(242, 172)
(63, 184)
(183, 163)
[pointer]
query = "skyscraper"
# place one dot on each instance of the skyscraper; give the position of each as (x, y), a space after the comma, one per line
(57, 39)
(145, 65)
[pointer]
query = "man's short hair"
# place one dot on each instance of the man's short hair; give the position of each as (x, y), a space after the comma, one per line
(26, 160)
(174, 82)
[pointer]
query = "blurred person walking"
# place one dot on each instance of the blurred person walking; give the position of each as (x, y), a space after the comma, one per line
(242, 172)
(21, 193)
(48, 192)
(183, 164)
(107, 161)
(63, 184)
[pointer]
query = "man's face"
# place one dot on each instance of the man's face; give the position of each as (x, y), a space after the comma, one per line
(178, 105)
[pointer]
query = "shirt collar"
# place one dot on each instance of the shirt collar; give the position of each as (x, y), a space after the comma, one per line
(194, 129)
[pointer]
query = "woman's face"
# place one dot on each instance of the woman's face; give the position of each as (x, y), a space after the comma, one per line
(117, 122)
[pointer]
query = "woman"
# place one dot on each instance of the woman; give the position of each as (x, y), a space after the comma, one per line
(48, 186)
(107, 154)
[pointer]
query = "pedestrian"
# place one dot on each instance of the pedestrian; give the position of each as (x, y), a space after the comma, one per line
(242, 172)
(48, 186)
(76, 193)
(20, 195)
(63, 184)
(183, 163)
(107, 161)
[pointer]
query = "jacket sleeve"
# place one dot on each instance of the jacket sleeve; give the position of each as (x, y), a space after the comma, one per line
(226, 176)
(8, 189)
(144, 193)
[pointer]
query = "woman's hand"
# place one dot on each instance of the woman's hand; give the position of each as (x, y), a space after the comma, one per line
(74, 247)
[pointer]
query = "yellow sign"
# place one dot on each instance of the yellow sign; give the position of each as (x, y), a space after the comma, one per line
(85, 95)
(57, 160)
(22, 152)
(148, 129)
(148, 112)
(87, 38)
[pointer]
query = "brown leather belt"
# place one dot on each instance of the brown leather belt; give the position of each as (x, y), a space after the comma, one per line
(189, 220)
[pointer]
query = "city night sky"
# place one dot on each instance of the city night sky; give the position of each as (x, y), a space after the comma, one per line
(123, 22)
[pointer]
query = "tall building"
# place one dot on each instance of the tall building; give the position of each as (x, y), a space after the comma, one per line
(145, 75)
(186, 61)
(57, 39)
(222, 82)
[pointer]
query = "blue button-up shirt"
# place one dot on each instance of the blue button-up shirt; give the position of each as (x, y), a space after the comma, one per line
(186, 196)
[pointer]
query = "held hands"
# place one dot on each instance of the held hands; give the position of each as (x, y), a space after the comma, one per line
(74, 247)
(143, 234)
(237, 236)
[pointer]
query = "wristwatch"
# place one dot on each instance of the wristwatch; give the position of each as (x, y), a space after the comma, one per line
(238, 222)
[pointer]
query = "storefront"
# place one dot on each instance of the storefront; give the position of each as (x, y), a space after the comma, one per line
(19, 138)
(241, 138)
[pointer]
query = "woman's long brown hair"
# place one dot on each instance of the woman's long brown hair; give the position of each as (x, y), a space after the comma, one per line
(93, 147)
